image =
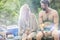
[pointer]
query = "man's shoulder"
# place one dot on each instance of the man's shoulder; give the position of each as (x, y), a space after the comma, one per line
(41, 12)
(54, 11)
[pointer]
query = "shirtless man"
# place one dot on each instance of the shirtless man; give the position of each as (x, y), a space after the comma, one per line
(48, 21)
(27, 23)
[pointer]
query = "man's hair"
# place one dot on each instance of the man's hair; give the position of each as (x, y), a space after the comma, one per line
(45, 2)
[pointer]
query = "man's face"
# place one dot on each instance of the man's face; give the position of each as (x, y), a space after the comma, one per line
(43, 6)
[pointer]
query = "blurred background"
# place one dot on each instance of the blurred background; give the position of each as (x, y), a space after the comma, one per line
(9, 9)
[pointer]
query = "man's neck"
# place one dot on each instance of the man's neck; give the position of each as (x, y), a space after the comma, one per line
(47, 10)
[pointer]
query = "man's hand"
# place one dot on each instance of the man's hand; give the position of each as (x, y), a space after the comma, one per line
(41, 26)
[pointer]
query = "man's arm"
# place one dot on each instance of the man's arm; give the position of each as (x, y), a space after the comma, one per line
(41, 25)
(56, 19)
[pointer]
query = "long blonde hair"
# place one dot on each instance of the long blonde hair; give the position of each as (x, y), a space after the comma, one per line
(24, 11)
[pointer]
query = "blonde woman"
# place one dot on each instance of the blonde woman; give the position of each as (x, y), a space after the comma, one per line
(27, 23)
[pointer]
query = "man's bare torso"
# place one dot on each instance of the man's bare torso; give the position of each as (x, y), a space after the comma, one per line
(51, 16)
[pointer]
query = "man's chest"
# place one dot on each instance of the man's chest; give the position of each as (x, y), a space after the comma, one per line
(48, 16)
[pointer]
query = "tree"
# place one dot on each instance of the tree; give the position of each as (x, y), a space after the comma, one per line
(9, 10)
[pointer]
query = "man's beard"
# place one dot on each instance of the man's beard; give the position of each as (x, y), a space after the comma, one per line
(44, 9)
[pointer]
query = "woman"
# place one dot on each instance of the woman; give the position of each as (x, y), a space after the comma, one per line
(27, 23)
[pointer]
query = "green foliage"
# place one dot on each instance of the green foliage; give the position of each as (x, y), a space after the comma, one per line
(9, 10)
